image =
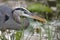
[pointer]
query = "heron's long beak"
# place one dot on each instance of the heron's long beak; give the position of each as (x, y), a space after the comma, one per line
(35, 17)
(28, 14)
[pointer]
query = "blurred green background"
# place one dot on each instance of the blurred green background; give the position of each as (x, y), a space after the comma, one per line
(48, 9)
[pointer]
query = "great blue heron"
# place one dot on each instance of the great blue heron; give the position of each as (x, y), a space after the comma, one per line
(9, 19)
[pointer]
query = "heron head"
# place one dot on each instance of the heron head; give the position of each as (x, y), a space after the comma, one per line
(24, 12)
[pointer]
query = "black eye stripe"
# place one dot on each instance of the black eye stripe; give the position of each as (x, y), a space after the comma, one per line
(19, 9)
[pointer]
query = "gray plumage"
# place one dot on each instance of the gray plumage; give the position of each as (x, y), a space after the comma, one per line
(11, 19)
(9, 23)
